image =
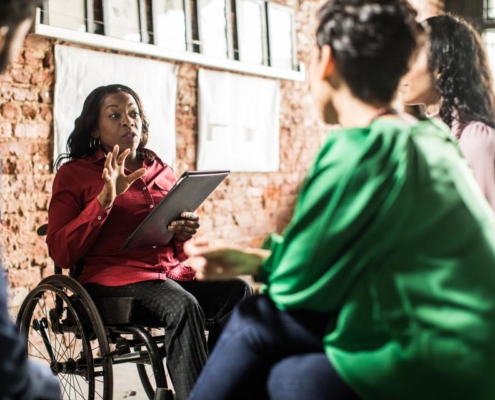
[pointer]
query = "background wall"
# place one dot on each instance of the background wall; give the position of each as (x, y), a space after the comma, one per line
(244, 210)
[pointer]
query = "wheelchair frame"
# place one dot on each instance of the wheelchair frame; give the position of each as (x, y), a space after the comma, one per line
(66, 321)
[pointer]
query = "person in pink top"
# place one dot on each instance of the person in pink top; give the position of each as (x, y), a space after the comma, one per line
(451, 78)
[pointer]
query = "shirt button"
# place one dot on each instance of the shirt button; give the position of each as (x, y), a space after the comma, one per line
(154, 247)
(99, 217)
(144, 188)
(151, 205)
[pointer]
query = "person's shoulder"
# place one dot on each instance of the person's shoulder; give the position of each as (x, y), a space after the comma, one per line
(477, 129)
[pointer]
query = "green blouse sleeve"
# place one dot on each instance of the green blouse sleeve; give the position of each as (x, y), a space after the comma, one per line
(347, 215)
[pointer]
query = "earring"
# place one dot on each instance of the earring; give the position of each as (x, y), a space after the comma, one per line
(95, 143)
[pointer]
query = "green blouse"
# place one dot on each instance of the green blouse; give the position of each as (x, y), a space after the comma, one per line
(392, 237)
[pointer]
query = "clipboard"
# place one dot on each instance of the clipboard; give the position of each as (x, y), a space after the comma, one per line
(190, 190)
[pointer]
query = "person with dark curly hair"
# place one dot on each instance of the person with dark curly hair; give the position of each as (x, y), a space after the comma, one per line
(452, 79)
(382, 285)
(108, 185)
(20, 378)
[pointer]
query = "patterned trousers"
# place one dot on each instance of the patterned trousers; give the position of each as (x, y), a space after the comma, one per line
(184, 308)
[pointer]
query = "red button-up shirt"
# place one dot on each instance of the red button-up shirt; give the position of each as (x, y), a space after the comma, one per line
(80, 229)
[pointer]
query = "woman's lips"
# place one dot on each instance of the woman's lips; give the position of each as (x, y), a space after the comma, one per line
(129, 136)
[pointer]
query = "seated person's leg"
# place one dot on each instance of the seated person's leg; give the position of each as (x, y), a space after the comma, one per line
(218, 300)
(307, 376)
(257, 336)
(182, 319)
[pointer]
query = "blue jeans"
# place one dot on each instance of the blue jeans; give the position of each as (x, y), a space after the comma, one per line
(267, 353)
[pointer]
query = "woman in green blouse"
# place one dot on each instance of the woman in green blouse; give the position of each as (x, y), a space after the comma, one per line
(383, 284)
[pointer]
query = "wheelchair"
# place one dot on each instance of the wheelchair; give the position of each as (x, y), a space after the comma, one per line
(81, 338)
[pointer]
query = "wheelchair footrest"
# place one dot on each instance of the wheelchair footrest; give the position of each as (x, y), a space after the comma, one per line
(163, 394)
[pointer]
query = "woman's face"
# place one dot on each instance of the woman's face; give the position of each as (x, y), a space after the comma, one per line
(119, 122)
(418, 85)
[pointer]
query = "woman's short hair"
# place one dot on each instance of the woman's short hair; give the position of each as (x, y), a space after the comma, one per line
(81, 141)
(372, 42)
(459, 66)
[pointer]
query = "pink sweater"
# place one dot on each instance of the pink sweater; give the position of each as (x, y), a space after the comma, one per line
(477, 144)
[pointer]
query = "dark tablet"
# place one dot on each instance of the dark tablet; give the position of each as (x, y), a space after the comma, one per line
(192, 188)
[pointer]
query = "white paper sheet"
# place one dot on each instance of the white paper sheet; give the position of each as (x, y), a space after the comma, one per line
(238, 122)
(79, 71)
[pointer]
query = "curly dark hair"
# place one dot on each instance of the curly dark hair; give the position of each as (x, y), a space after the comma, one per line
(13, 12)
(372, 42)
(464, 80)
(81, 142)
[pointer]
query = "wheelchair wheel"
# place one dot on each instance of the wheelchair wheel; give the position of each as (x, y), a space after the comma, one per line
(147, 379)
(65, 332)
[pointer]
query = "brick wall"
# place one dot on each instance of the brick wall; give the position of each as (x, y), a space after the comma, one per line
(246, 208)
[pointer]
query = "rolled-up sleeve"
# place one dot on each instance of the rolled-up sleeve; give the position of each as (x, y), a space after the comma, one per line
(72, 228)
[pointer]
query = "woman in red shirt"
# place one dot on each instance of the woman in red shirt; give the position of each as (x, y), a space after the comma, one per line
(108, 184)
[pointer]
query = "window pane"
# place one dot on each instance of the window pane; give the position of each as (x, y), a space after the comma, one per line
(213, 25)
(170, 24)
(122, 19)
(489, 9)
(281, 34)
(250, 28)
(69, 14)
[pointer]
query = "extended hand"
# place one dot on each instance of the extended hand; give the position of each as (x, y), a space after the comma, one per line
(186, 227)
(116, 182)
(220, 262)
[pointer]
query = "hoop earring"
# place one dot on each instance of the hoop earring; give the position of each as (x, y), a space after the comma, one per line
(95, 143)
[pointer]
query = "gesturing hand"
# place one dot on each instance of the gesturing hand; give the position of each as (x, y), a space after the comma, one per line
(186, 227)
(216, 262)
(115, 180)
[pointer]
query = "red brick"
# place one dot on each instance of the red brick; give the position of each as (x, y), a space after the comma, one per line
(46, 114)
(29, 112)
(5, 130)
(35, 131)
(23, 94)
(42, 77)
(38, 43)
(20, 75)
(10, 111)
(34, 58)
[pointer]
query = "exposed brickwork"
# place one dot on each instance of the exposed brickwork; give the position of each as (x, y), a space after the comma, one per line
(246, 208)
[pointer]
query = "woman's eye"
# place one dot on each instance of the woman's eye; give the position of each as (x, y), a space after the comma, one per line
(135, 114)
(115, 115)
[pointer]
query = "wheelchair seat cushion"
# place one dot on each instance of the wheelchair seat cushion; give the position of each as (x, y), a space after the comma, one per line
(125, 311)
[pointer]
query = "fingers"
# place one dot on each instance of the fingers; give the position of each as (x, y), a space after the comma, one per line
(121, 158)
(190, 215)
(185, 223)
(136, 175)
(105, 176)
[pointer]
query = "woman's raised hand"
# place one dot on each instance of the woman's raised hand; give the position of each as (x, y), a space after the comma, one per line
(115, 180)
(214, 262)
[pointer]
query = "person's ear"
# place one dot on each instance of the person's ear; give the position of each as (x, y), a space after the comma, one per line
(326, 64)
(96, 134)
